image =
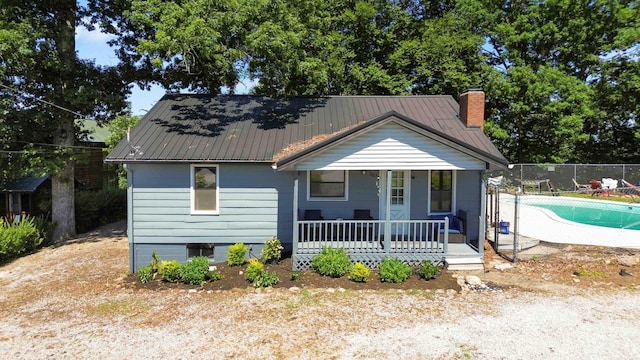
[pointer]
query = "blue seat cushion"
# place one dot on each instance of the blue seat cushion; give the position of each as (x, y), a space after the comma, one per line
(455, 224)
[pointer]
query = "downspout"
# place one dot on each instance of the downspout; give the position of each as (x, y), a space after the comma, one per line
(132, 253)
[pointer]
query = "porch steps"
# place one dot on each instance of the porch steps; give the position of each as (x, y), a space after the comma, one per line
(464, 263)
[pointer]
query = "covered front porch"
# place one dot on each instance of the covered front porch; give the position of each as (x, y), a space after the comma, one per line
(390, 227)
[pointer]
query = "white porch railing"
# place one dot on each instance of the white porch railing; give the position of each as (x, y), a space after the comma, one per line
(373, 236)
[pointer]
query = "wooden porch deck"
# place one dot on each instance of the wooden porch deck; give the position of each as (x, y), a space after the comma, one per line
(411, 241)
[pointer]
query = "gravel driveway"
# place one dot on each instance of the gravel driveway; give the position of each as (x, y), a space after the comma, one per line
(69, 302)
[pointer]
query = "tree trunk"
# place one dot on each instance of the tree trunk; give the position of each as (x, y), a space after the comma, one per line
(62, 182)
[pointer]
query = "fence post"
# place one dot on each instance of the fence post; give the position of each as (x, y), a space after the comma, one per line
(515, 226)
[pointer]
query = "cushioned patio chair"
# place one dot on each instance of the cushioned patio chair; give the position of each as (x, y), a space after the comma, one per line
(362, 214)
(456, 227)
(313, 214)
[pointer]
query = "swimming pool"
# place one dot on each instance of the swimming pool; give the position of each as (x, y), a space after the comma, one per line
(591, 212)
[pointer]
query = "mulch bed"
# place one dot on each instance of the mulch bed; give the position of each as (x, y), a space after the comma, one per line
(233, 278)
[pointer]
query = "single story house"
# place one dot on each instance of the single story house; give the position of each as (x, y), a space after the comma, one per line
(380, 176)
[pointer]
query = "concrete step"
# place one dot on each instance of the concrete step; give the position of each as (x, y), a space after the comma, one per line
(464, 263)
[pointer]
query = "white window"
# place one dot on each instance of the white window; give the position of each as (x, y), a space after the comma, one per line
(327, 185)
(204, 189)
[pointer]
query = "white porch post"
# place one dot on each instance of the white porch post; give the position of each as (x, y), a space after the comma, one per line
(387, 225)
(295, 215)
(483, 217)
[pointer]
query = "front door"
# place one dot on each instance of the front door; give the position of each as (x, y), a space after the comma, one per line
(400, 194)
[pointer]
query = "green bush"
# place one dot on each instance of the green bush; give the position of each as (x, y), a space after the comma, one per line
(18, 238)
(254, 270)
(97, 208)
(215, 275)
(394, 270)
(145, 274)
(196, 271)
(331, 262)
(359, 273)
(295, 275)
(170, 270)
(45, 227)
(272, 250)
(155, 263)
(266, 279)
(236, 254)
(428, 270)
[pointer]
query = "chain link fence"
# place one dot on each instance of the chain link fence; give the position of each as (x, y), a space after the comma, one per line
(567, 203)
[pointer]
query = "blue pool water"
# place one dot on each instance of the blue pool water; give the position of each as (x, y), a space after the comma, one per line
(598, 213)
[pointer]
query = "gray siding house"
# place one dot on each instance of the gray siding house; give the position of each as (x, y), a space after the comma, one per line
(380, 176)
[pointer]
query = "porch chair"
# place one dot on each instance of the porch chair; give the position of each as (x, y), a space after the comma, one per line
(362, 214)
(313, 214)
(456, 227)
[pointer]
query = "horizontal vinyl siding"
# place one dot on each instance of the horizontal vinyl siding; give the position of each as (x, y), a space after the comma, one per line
(391, 147)
(249, 205)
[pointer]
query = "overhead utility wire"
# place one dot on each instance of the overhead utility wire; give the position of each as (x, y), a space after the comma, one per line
(48, 103)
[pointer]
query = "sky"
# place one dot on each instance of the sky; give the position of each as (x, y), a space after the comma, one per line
(92, 45)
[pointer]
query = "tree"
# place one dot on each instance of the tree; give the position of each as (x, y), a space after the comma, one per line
(547, 58)
(50, 87)
(301, 47)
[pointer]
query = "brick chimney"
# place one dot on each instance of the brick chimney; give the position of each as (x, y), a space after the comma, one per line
(472, 108)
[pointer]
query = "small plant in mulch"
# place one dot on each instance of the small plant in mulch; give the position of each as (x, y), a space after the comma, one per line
(428, 270)
(170, 271)
(266, 279)
(196, 271)
(254, 269)
(236, 254)
(359, 273)
(295, 275)
(146, 274)
(331, 262)
(393, 270)
(272, 251)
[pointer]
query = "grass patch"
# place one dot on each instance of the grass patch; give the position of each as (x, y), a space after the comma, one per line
(591, 273)
(121, 308)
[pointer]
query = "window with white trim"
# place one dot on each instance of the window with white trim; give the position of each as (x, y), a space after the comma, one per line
(327, 184)
(204, 189)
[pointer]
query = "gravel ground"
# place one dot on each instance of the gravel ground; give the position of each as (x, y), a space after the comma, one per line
(68, 302)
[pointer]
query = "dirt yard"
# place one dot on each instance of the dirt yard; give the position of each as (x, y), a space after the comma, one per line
(77, 300)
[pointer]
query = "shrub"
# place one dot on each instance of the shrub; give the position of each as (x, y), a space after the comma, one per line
(45, 228)
(236, 254)
(18, 238)
(97, 208)
(428, 270)
(359, 273)
(272, 250)
(394, 270)
(215, 275)
(146, 274)
(196, 271)
(254, 270)
(295, 275)
(331, 262)
(156, 262)
(170, 270)
(266, 279)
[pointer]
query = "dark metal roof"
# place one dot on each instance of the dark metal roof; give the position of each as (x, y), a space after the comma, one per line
(248, 128)
(26, 184)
